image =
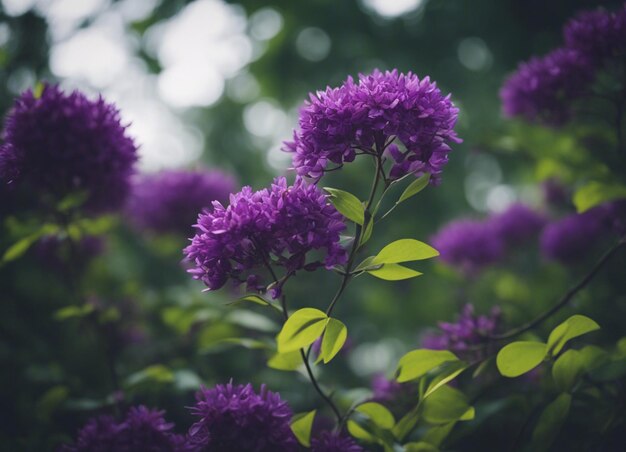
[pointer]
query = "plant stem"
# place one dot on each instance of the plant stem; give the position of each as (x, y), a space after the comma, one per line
(565, 299)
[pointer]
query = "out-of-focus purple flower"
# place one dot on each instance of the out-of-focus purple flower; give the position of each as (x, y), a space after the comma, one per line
(142, 430)
(334, 442)
(274, 226)
(517, 224)
(398, 397)
(469, 245)
(234, 417)
(597, 34)
(615, 217)
(367, 116)
(468, 331)
(59, 144)
(574, 237)
(170, 201)
(543, 89)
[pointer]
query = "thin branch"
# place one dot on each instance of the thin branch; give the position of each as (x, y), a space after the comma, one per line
(565, 299)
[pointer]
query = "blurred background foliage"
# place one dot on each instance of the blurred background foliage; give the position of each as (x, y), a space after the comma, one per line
(218, 84)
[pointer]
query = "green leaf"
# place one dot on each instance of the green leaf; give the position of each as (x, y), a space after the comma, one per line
(72, 201)
(347, 204)
(550, 421)
(70, 312)
(394, 272)
(301, 329)
(38, 90)
(335, 336)
(593, 356)
(301, 426)
(406, 424)
(359, 432)
(447, 405)
(595, 193)
(518, 358)
(417, 363)
(414, 187)
(245, 342)
(253, 298)
(157, 373)
(404, 250)
(19, 248)
(437, 433)
(420, 447)
(575, 326)
(378, 414)
(367, 232)
(568, 369)
(50, 401)
(286, 361)
(451, 370)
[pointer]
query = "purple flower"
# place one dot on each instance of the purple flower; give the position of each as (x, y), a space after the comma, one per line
(469, 330)
(574, 237)
(171, 200)
(59, 144)
(142, 429)
(236, 418)
(517, 224)
(367, 116)
(276, 226)
(597, 34)
(543, 89)
(334, 442)
(469, 245)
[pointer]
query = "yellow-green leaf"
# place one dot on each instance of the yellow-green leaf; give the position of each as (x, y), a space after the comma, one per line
(301, 329)
(335, 336)
(575, 326)
(301, 426)
(404, 250)
(378, 414)
(347, 204)
(447, 405)
(359, 432)
(394, 272)
(518, 358)
(568, 369)
(414, 187)
(417, 363)
(285, 361)
(595, 193)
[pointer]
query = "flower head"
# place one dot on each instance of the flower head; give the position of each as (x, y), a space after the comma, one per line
(543, 89)
(597, 34)
(517, 224)
(59, 144)
(367, 116)
(234, 417)
(278, 226)
(469, 245)
(469, 330)
(171, 200)
(142, 429)
(334, 442)
(574, 237)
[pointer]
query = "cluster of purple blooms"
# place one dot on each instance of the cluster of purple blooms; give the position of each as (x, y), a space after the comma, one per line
(468, 331)
(545, 88)
(372, 116)
(230, 418)
(169, 202)
(276, 226)
(57, 144)
(471, 245)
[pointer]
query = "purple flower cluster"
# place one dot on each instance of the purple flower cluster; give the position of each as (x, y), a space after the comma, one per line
(471, 245)
(142, 429)
(543, 88)
(274, 226)
(574, 237)
(469, 330)
(235, 418)
(58, 144)
(367, 116)
(171, 200)
(334, 442)
(597, 34)
(398, 397)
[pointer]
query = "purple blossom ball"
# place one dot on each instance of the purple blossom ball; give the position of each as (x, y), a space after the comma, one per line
(171, 200)
(334, 442)
(142, 430)
(367, 116)
(59, 144)
(574, 237)
(543, 89)
(279, 225)
(518, 224)
(469, 245)
(469, 330)
(235, 418)
(598, 34)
